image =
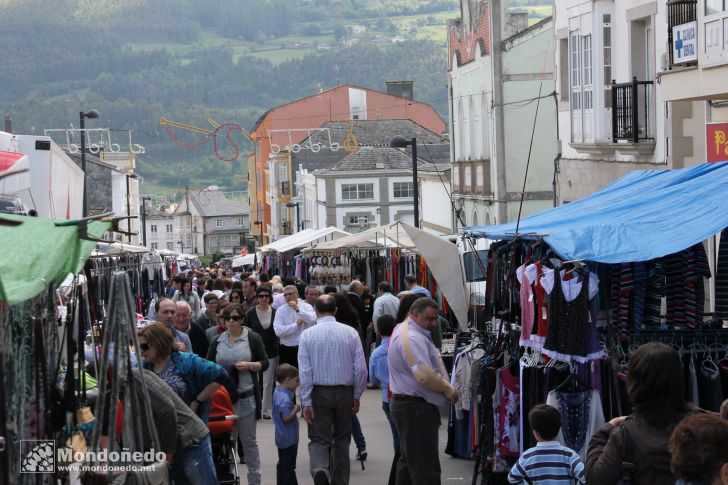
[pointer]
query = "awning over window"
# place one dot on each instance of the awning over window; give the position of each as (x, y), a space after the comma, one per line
(644, 215)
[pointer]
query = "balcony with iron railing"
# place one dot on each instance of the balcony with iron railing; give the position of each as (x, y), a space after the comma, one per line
(679, 12)
(633, 113)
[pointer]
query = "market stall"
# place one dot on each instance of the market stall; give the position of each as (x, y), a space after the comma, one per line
(387, 252)
(278, 257)
(572, 291)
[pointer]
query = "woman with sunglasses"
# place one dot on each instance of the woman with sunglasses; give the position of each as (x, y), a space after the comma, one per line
(192, 378)
(237, 297)
(260, 320)
(242, 353)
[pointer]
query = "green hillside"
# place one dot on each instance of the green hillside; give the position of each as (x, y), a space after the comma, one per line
(230, 60)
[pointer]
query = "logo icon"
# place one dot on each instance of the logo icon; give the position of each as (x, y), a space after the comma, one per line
(37, 456)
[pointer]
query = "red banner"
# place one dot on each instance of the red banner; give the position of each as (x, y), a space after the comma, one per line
(716, 142)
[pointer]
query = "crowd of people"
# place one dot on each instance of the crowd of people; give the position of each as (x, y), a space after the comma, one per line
(252, 335)
(283, 349)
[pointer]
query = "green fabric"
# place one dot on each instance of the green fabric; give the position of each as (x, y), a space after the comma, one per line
(38, 252)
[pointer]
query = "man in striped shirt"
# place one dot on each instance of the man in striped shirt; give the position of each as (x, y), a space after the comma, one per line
(548, 462)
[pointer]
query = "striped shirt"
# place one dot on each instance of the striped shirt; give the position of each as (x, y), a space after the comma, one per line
(548, 463)
(330, 354)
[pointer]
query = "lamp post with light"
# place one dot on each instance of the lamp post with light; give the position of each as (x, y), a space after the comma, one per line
(401, 142)
(92, 114)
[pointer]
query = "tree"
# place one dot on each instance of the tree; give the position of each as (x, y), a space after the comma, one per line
(340, 32)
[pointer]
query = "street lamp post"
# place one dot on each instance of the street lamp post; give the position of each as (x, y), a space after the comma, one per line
(128, 204)
(143, 211)
(297, 205)
(401, 142)
(90, 115)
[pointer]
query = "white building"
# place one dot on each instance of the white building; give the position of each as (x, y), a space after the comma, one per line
(498, 68)
(160, 228)
(368, 188)
(613, 63)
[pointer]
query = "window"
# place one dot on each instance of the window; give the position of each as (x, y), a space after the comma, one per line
(154, 228)
(358, 220)
(607, 61)
(471, 131)
(460, 155)
(218, 222)
(475, 264)
(479, 176)
(170, 228)
(357, 191)
(468, 182)
(713, 7)
(404, 189)
(154, 246)
(581, 78)
(455, 177)
(564, 69)
(240, 222)
(170, 246)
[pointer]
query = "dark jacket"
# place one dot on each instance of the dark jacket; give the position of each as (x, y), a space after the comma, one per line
(257, 354)
(198, 339)
(358, 306)
(607, 451)
(270, 339)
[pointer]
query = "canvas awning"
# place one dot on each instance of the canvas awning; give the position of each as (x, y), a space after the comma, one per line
(38, 252)
(442, 257)
(248, 259)
(642, 216)
(302, 239)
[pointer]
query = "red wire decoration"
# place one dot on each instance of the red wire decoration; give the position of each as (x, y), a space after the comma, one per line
(227, 128)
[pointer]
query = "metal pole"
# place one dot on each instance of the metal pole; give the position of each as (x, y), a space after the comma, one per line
(144, 221)
(82, 124)
(128, 209)
(298, 216)
(414, 182)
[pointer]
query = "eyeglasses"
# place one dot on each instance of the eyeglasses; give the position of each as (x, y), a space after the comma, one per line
(263, 295)
(145, 346)
(235, 318)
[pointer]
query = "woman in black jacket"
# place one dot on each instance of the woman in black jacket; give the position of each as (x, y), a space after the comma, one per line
(260, 320)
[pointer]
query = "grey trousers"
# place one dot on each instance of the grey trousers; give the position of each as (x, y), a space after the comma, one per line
(417, 423)
(331, 427)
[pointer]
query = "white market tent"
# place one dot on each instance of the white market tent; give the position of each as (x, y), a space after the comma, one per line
(304, 238)
(104, 248)
(248, 259)
(442, 257)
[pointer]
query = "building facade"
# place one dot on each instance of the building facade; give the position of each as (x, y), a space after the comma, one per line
(282, 129)
(365, 189)
(500, 79)
(617, 110)
(207, 222)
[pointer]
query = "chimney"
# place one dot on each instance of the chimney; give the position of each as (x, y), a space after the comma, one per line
(8, 125)
(401, 89)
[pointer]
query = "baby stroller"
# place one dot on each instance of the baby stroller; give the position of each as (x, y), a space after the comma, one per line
(221, 420)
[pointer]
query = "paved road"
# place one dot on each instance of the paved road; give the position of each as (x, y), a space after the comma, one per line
(379, 447)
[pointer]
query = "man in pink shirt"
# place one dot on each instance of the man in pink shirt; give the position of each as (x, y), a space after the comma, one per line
(420, 386)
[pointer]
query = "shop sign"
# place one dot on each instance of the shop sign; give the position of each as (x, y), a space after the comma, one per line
(716, 142)
(685, 43)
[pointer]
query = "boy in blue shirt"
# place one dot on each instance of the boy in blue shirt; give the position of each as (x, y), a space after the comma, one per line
(379, 374)
(549, 462)
(285, 418)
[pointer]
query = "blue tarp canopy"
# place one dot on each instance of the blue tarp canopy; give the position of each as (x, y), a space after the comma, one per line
(644, 215)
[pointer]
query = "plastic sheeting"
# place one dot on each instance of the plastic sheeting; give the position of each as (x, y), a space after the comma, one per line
(441, 256)
(642, 216)
(37, 252)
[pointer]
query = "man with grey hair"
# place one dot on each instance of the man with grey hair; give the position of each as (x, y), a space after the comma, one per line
(278, 298)
(291, 319)
(356, 290)
(312, 292)
(185, 325)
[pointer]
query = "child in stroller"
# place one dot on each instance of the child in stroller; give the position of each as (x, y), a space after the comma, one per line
(221, 423)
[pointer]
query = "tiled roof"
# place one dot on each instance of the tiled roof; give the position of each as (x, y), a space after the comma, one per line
(212, 203)
(368, 132)
(376, 159)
